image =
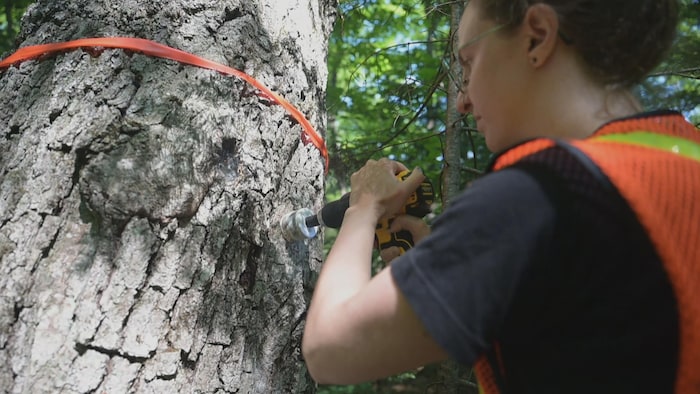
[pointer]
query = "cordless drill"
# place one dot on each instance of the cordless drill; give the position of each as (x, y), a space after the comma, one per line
(298, 224)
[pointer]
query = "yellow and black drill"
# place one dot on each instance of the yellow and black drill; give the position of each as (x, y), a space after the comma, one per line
(304, 223)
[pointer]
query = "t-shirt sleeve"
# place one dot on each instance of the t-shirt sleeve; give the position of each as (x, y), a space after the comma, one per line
(461, 279)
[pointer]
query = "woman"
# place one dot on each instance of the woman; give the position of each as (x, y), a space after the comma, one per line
(570, 267)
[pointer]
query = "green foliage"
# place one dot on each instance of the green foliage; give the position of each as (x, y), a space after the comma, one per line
(386, 93)
(398, 383)
(387, 81)
(676, 83)
(12, 11)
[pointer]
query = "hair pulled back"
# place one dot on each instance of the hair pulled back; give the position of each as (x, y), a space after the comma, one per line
(619, 41)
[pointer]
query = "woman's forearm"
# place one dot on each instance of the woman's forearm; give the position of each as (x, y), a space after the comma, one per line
(348, 265)
(359, 327)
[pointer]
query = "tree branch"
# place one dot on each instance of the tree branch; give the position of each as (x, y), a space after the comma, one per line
(692, 73)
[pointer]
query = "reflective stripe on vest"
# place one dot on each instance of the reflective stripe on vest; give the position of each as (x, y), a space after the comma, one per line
(677, 145)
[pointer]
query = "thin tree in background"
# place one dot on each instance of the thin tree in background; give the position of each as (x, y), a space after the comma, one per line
(452, 152)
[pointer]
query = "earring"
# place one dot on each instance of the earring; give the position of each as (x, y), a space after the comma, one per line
(534, 60)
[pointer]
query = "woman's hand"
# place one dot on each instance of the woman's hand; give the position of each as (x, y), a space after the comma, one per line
(375, 186)
(416, 226)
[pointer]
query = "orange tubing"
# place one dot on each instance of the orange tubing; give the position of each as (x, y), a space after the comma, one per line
(152, 48)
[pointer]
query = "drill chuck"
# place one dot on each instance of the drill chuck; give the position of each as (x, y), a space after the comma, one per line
(294, 225)
(303, 223)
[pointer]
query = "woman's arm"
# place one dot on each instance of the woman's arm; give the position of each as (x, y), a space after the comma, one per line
(360, 328)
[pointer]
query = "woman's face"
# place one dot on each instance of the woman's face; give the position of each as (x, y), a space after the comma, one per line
(496, 70)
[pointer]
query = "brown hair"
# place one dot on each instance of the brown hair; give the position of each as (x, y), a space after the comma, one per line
(619, 41)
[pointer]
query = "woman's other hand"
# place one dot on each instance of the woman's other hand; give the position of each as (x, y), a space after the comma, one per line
(418, 228)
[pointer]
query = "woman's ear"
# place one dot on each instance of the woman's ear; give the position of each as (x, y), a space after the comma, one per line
(541, 27)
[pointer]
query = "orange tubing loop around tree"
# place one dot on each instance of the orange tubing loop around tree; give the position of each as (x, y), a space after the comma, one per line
(152, 48)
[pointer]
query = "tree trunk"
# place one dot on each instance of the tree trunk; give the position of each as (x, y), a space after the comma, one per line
(451, 174)
(139, 200)
(451, 373)
(8, 15)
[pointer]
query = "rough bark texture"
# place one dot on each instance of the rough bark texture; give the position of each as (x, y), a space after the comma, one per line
(139, 200)
(451, 175)
(451, 373)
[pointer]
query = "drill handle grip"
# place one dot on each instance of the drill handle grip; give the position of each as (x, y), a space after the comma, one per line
(384, 238)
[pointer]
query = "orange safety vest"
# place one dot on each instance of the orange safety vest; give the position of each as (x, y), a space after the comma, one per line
(654, 164)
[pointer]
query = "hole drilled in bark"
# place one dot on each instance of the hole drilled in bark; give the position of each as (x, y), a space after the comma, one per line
(231, 14)
(14, 130)
(81, 160)
(54, 115)
(228, 159)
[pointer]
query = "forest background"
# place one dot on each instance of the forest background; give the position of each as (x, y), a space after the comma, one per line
(390, 69)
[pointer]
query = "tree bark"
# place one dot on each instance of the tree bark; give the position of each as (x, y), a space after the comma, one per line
(451, 173)
(450, 372)
(139, 200)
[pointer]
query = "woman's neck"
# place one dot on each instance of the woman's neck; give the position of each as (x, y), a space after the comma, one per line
(576, 109)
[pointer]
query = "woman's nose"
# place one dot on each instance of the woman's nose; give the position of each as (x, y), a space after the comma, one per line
(464, 105)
